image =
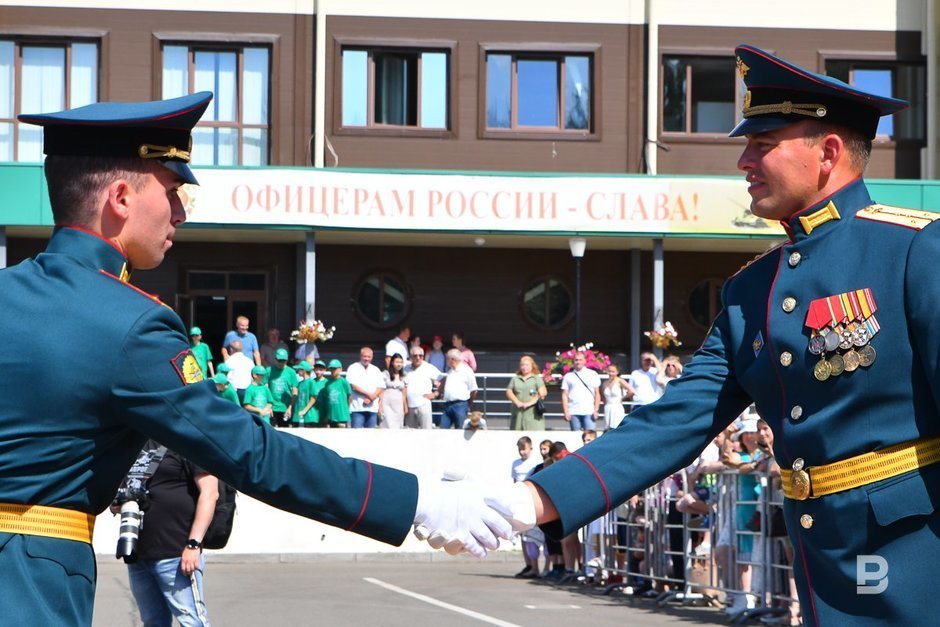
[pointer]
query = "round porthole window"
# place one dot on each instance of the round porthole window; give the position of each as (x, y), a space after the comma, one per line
(382, 300)
(547, 302)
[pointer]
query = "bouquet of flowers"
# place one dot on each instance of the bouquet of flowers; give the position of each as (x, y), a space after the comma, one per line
(564, 361)
(664, 336)
(312, 331)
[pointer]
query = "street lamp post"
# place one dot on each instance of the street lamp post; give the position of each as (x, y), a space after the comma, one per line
(577, 246)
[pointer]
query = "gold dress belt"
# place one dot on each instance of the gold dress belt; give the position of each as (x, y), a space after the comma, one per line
(51, 522)
(813, 482)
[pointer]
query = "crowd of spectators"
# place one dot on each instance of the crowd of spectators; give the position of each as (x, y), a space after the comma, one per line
(420, 386)
(425, 386)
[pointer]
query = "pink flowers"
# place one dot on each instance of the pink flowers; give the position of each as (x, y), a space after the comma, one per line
(564, 361)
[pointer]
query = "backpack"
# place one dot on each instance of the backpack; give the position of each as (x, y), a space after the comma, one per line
(223, 519)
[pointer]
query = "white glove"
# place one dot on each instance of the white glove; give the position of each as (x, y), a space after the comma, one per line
(515, 504)
(452, 515)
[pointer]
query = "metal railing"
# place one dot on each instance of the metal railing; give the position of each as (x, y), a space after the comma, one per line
(734, 556)
(491, 400)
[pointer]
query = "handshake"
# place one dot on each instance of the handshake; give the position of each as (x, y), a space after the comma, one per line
(463, 516)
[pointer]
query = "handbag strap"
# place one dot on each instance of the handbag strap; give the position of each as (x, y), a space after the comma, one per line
(589, 389)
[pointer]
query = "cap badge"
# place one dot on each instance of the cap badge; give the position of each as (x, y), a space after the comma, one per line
(150, 151)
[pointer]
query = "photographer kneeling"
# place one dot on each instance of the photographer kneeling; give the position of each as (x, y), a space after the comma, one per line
(165, 563)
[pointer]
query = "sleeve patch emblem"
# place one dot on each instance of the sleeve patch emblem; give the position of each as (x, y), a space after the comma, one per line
(187, 367)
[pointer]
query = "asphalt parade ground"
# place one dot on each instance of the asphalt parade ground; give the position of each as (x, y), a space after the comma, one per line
(393, 591)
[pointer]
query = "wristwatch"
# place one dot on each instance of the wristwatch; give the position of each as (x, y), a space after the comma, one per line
(193, 543)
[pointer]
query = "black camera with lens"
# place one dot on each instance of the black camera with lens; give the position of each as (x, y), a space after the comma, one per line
(133, 502)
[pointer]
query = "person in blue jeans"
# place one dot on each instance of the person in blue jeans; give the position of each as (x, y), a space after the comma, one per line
(580, 395)
(367, 385)
(459, 389)
(166, 574)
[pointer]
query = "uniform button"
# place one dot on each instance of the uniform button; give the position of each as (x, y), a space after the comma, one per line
(806, 521)
(796, 413)
(786, 358)
(789, 304)
(794, 259)
(798, 464)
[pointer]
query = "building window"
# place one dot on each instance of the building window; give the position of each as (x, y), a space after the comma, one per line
(395, 88)
(41, 77)
(527, 91)
(700, 94)
(897, 80)
(705, 302)
(235, 129)
(546, 303)
(382, 300)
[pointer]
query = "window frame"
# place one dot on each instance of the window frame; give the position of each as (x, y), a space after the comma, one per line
(383, 274)
(222, 42)
(551, 51)
(447, 46)
(50, 41)
(544, 278)
(886, 59)
(700, 53)
(714, 285)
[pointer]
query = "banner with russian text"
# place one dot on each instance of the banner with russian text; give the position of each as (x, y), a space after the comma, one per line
(373, 201)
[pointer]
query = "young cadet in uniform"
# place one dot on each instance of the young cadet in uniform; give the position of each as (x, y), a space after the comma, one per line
(834, 335)
(113, 172)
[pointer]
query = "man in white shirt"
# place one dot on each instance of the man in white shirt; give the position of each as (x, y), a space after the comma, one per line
(460, 389)
(580, 395)
(643, 380)
(398, 345)
(421, 379)
(240, 366)
(367, 386)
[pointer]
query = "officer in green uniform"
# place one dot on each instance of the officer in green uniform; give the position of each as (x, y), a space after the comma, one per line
(834, 335)
(113, 172)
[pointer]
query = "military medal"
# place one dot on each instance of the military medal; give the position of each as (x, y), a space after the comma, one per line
(852, 361)
(822, 370)
(843, 322)
(817, 344)
(866, 356)
(837, 363)
(832, 340)
(846, 339)
(862, 336)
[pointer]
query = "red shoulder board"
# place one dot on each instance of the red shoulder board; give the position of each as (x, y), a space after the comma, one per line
(136, 289)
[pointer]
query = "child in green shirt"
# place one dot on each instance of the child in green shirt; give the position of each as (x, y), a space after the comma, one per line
(300, 409)
(201, 352)
(333, 399)
(315, 384)
(258, 397)
(225, 389)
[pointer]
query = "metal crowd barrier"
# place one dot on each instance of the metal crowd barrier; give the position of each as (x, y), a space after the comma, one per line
(675, 557)
(491, 400)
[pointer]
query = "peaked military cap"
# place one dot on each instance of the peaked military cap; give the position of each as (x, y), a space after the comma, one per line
(780, 93)
(160, 129)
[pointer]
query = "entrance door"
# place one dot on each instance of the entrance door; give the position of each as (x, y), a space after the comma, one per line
(219, 297)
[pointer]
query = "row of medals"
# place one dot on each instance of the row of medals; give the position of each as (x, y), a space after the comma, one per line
(846, 339)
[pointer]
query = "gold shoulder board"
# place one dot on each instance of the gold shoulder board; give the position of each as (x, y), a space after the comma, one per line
(910, 218)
